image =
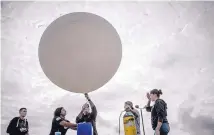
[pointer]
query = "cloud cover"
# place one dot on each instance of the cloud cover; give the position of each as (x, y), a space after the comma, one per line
(167, 45)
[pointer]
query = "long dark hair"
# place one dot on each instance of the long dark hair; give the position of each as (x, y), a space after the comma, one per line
(157, 92)
(57, 112)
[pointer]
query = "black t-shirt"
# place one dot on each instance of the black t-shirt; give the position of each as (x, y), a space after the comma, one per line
(18, 126)
(158, 112)
(56, 127)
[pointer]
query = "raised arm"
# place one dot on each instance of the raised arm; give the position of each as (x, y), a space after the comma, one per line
(135, 112)
(148, 107)
(93, 107)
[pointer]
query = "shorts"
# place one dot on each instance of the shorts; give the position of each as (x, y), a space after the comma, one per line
(164, 130)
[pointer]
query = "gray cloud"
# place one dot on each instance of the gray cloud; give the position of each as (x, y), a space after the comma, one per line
(197, 125)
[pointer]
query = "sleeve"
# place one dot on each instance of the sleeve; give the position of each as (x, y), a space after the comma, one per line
(79, 118)
(57, 120)
(136, 113)
(148, 108)
(159, 107)
(94, 110)
(67, 120)
(10, 127)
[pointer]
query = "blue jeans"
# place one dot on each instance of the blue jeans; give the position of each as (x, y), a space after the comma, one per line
(164, 130)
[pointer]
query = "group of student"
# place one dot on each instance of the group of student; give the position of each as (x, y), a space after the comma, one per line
(19, 125)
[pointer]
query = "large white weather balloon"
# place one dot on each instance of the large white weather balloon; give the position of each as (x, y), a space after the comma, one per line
(80, 52)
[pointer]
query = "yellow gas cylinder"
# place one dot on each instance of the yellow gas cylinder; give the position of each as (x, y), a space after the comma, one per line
(129, 124)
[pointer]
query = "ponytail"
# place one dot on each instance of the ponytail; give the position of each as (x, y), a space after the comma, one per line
(160, 92)
(157, 92)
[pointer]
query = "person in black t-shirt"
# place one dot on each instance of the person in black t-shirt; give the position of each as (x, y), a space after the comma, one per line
(19, 125)
(86, 116)
(158, 113)
(59, 123)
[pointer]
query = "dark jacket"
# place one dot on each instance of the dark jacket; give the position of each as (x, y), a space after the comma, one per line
(91, 117)
(16, 125)
(158, 112)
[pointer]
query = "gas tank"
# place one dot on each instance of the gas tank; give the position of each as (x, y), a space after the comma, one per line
(129, 124)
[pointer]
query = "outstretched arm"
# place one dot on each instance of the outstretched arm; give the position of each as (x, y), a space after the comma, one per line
(68, 124)
(73, 128)
(65, 123)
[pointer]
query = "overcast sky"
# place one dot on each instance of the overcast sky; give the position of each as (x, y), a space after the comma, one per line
(165, 45)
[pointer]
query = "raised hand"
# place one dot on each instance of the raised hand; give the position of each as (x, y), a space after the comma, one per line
(148, 96)
(85, 106)
(86, 96)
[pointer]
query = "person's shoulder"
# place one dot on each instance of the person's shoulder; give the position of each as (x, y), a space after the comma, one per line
(15, 118)
(57, 119)
(136, 111)
(160, 102)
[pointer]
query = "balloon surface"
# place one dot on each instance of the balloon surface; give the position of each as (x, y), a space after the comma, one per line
(80, 52)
